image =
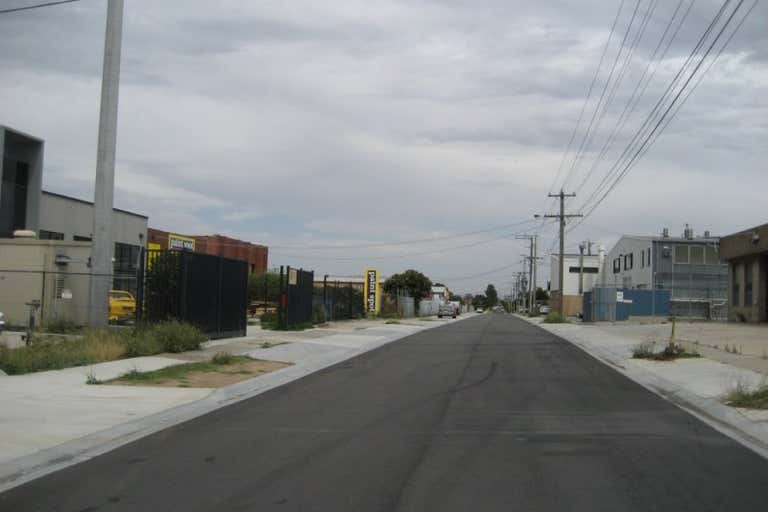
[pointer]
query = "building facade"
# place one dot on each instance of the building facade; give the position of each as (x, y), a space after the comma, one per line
(256, 255)
(579, 277)
(747, 255)
(690, 267)
(21, 179)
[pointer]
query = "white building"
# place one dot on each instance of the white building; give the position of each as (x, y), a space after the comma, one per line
(580, 276)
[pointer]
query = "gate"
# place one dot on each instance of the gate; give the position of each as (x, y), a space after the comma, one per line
(210, 292)
(296, 300)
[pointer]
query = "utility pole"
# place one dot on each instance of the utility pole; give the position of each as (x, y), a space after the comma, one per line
(102, 250)
(530, 258)
(562, 218)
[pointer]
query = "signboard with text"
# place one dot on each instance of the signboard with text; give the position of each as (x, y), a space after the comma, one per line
(371, 294)
(180, 243)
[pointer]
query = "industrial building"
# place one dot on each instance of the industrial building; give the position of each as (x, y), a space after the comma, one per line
(256, 255)
(689, 266)
(581, 274)
(747, 255)
(21, 179)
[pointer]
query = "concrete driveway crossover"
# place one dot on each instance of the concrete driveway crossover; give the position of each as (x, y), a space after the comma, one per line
(486, 414)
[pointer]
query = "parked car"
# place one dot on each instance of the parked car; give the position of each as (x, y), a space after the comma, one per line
(2, 322)
(446, 310)
(544, 309)
(122, 306)
(479, 310)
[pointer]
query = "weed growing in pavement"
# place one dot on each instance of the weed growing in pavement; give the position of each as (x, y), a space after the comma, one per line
(223, 358)
(672, 351)
(90, 378)
(554, 317)
(748, 397)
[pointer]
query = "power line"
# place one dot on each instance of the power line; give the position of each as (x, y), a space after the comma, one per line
(36, 6)
(643, 147)
(614, 169)
(586, 100)
(629, 109)
(580, 151)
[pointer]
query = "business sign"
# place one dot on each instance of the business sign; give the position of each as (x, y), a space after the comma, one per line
(180, 243)
(371, 295)
(619, 296)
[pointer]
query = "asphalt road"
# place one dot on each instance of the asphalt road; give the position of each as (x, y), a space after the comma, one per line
(486, 414)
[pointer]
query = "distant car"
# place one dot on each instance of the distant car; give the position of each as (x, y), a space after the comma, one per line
(479, 310)
(122, 305)
(446, 310)
(544, 309)
(2, 323)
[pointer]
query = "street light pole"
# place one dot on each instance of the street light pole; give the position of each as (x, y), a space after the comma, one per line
(102, 250)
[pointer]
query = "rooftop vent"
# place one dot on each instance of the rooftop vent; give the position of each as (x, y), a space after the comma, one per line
(665, 232)
(707, 234)
(688, 232)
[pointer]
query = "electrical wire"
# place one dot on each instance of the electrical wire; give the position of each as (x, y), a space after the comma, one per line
(614, 169)
(659, 123)
(36, 6)
(586, 100)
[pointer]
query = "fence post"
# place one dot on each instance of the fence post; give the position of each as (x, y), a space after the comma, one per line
(140, 285)
(220, 262)
(266, 290)
(183, 286)
(325, 297)
(281, 300)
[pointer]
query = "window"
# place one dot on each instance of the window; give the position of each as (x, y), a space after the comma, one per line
(649, 256)
(736, 295)
(681, 254)
(617, 265)
(748, 284)
(50, 235)
(78, 238)
(587, 270)
(631, 261)
(628, 261)
(13, 203)
(713, 258)
(697, 255)
(642, 259)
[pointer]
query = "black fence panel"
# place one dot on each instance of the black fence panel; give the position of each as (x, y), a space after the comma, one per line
(340, 301)
(297, 303)
(208, 291)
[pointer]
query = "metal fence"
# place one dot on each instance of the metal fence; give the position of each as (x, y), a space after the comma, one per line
(210, 292)
(296, 297)
(334, 300)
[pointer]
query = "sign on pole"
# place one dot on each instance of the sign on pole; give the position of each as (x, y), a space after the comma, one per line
(371, 294)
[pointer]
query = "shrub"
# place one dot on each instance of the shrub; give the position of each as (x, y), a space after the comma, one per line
(644, 350)
(269, 321)
(554, 317)
(61, 325)
(745, 396)
(175, 336)
(223, 358)
(138, 343)
(94, 347)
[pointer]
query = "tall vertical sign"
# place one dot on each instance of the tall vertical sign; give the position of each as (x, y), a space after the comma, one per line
(371, 294)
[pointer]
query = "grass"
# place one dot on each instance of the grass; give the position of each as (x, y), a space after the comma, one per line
(672, 351)
(554, 317)
(100, 345)
(62, 326)
(180, 372)
(747, 397)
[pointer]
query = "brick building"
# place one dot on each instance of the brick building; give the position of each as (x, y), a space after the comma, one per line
(256, 255)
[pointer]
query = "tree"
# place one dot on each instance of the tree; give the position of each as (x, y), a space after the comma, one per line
(453, 297)
(479, 301)
(492, 297)
(541, 294)
(264, 287)
(438, 284)
(416, 284)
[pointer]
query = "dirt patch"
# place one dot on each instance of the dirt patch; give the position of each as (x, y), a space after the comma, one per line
(213, 376)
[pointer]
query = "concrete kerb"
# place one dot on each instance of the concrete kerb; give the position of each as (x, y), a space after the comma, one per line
(19, 471)
(719, 416)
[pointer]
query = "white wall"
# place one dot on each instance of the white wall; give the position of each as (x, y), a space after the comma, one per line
(639, 275)
(571, 280)
(73, 217)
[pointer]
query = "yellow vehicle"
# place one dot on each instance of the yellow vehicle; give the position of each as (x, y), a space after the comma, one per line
(122, 305)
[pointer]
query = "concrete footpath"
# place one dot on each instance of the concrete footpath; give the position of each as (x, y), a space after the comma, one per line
(698, 385)
(53, 419)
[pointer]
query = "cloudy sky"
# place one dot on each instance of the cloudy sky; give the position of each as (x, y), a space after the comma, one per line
(355, 123)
